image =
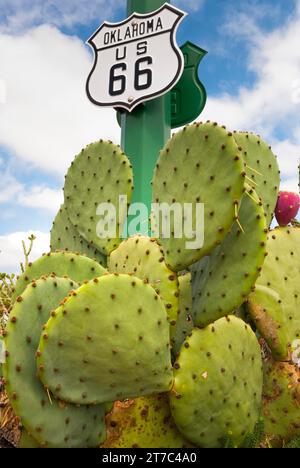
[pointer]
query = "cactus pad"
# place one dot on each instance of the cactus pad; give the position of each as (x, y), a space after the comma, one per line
(110, 341)
(101, 173)
(64, 236)
(200, 164)
(218, 384)
(265, 308)
(281, 401)
(143, 423)
(143, 257)
(76, 267)
(184, 322)
(222, 281)
(49, 422)
(27, 442)
(281, 273)
(262, 170)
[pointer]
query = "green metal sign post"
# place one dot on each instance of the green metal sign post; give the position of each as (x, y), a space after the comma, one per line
(146, 129)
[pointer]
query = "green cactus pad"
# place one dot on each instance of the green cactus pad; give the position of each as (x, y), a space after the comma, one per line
(110, 342)
(143, 257)
(77, 267)
(281, 273)
(50, 422)
(218, 384)
(27, 442)
(101, 173)
(222, 281)
(200, 164)
(143, 423)
(64, 236)
(265, 308)
(281, 402)
(184, 322)
(262, 170)
(108, 407)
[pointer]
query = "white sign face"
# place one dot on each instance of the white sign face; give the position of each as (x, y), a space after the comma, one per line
(136, 60)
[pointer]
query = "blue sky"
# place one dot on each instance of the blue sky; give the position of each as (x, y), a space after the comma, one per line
(251, 73)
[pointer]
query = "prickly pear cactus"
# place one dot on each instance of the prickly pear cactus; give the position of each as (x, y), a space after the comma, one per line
(262, 170)
(101, 173)
(222, 281)
(77, 267)
(218, 384)
(185, 323)
(109, 341)
(143, 257)
(68, 354)
(281, 401)
(265, 308)
(49, 422)
(64, 236)
(200, 164)
(145, 422)
(280, 322)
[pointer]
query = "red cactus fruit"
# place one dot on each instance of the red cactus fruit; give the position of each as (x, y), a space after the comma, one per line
(287, 207)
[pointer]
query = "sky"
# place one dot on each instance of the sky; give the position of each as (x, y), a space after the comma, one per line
(251, 74)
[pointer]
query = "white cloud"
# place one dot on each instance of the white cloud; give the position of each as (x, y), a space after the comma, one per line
(288, 155)
(11, 250)
(2, 92)
(47, 118)
(290, 185)
(9, 187)
(269, 106)
(17, 15)
(42, 198)
(35, 196)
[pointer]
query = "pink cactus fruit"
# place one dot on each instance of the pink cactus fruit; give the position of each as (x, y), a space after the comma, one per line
(287, 207)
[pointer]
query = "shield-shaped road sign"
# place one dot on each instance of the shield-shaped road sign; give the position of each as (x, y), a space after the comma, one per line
(189, 95)
(136, 60)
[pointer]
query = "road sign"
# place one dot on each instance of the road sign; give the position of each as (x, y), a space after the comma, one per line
(188, 97)
(136, 60)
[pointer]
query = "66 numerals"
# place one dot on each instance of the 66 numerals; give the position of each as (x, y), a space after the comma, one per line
(142, 76)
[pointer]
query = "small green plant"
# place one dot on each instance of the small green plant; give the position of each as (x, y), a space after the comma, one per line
(27, 252)
(6, 290)
(295, 443)
(255, 439)
(7, 284)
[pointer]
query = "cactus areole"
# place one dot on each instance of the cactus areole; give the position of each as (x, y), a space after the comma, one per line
(137, 64)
